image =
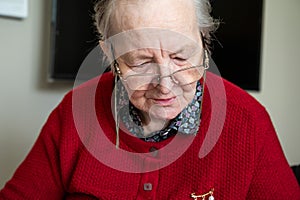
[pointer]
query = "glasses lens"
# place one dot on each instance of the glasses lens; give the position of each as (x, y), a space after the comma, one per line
(188, 75)
(147, 81)
(142, 81)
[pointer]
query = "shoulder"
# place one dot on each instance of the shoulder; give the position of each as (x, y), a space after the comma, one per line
(100, 82)
(235, 110)
(76, 115)
(241, 113)
(100, 85)
(81, 103)
(229, 93)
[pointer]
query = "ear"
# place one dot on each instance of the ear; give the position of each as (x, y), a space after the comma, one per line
(203, 40)
(106, 48)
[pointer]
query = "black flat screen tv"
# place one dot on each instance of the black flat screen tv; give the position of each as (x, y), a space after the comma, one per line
(236, 44)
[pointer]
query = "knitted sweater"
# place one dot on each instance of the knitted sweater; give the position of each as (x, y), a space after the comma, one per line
(237, 155)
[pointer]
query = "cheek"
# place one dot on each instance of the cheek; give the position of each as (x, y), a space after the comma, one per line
(189, 92)
(137, 98)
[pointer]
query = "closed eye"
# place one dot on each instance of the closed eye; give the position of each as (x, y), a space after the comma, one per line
(140, 66)
(145, 67)
(180, 61)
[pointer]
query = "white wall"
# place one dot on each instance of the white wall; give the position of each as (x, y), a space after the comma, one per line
(280, 82)
(26, 99)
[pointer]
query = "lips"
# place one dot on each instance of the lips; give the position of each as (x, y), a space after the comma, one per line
(165, 101)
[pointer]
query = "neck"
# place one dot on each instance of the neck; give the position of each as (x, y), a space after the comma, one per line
(152, 124)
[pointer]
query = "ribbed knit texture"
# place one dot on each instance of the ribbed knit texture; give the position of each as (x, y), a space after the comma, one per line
(247, 161)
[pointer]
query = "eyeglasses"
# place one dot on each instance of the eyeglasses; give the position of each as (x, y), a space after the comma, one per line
(180, 77)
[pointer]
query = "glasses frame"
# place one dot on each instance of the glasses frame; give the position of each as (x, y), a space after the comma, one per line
(159, 77)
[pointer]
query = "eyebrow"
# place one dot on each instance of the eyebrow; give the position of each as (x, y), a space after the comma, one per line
(188, 48)
(132, 57)
(140, 54)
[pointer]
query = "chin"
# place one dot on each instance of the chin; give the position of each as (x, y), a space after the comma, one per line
(165, 114)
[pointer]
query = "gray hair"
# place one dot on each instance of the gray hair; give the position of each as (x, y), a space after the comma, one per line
(104, 8)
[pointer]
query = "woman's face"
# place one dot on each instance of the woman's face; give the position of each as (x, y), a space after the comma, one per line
(162, 37)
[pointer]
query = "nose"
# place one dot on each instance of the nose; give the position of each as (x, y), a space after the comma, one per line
(165, 81)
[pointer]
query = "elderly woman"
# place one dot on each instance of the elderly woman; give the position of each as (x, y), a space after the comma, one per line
(159, 126)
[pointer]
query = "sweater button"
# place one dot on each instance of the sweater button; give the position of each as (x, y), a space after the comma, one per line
(147, 186)
(153, 151)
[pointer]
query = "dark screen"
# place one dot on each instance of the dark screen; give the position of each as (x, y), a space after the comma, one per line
(74, 36)
(237, 45)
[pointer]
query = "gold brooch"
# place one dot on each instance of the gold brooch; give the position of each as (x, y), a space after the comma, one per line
(203, 196)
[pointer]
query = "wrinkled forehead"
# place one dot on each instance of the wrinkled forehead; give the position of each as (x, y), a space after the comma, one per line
(152, 38)
(169, 14)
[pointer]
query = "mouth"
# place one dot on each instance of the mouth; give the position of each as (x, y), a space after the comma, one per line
(165, 101)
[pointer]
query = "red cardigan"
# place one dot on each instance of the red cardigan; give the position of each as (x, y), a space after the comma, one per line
(246, 161)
